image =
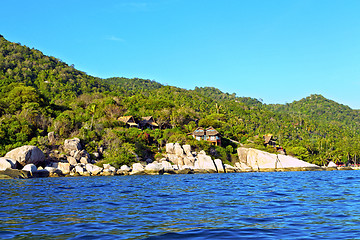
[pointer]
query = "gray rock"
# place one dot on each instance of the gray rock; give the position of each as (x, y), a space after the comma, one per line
(107, 172)
(122, 172)
(154, 168)
(243, 167)
(71, 160)
(51, 169)
(205, 162)
(96, 154)
(72, 144)
(185, 167)
(125, 168)
(167, 166)
(137, 168)
(79, 169)
(27, 154)
(30, 168)
(178, 150)
(187, 150)
(72, 153)
(14, 173)
(175, 159)
(170, 148)
(64, 167)
(106, 166)
(77, 155)
(190, 161)
(83, 160)
(93, 169)
(260, 160)
(6, 163)
(219, 166)
(230, 169)
(51, 137)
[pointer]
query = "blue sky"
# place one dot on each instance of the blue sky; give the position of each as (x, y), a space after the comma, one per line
(275, 50)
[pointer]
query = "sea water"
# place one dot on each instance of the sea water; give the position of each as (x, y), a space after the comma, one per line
(274, 205)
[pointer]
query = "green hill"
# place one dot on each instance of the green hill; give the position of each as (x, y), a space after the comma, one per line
(40, 94)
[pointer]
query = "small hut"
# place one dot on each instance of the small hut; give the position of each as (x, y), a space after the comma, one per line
(269, 140)
(148, 122)
(129, 121)
(209, 134)
(199, 134)
(213, 136)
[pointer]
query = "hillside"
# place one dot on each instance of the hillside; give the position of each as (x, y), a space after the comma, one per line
(41, 94)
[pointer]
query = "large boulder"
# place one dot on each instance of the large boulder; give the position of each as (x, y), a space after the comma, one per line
(187, 150)
(93, 169)
(167, 167)
(64, 167)
(178, 150)
(72, 144)
(30, 168)
(205, 162)
(219, 166)
(154, 169)
(137, 168)
(81, 154)
(175, 159)
(83, 160)
(14, 173)
(27, 154)
(260, 160)
(71, 160)
(189, 161)
(79, 169)
(243, 167)
(230, 169)
(170, 148)
(125, 168)
(6, 163)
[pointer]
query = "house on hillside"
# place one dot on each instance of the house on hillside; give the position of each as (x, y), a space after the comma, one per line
(269, 140)
(148, 122)
(209, 134)
(129, 121)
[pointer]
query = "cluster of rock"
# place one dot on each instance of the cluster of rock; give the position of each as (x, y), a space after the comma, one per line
(183, 158)
(30, 161)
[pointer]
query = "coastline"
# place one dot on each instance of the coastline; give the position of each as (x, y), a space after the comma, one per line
(30, 162)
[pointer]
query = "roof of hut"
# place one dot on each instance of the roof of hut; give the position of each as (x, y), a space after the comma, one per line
(125, 118)
(149, 120)
(128, 120)
(199, 132)
(267, 138)
(211, 131)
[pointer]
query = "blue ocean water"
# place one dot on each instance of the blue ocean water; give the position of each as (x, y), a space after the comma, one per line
(275, 205)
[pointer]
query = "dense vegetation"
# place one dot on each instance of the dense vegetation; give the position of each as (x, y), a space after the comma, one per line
(40, 94)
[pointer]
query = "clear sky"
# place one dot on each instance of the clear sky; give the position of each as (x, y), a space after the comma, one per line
(275, 50)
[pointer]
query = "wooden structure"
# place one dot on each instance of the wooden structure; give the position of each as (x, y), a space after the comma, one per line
(129, 120)
(269, 140)
(209, 134)
(148, 122)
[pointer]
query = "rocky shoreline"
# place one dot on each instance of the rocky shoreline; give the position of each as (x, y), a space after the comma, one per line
(30, 162)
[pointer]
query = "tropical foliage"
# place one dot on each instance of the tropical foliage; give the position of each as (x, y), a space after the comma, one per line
(40, 94)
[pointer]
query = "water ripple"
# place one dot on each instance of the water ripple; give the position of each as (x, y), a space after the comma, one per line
(284, 205)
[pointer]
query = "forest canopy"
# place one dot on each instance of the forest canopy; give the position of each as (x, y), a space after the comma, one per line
(42, 94)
